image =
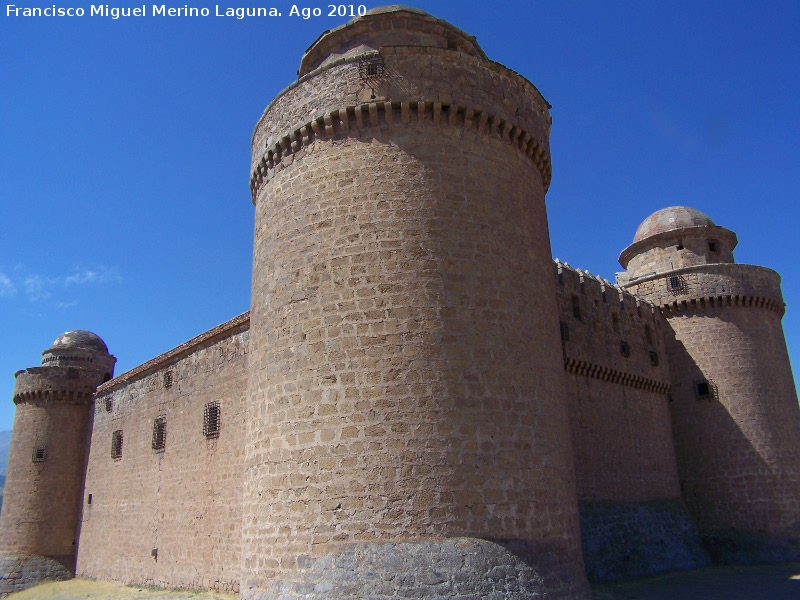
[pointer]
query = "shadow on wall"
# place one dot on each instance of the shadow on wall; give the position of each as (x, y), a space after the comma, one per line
(732, 493)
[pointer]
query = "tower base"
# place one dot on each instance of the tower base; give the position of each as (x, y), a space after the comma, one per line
(622, 540)
(434, 569)
(18, 572)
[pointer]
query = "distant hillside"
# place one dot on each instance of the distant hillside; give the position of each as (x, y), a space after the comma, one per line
(5, 442)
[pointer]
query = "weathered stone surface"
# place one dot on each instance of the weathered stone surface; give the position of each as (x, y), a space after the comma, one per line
(21, 572)
(446, 569)
(622, 540)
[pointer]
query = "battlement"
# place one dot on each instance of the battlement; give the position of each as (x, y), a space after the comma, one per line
(609, 334)
(598, 289)
(723, 284)
(55, 383)
(283, 149)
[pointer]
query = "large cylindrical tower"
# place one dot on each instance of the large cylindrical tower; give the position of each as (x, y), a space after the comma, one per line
(42, 499)
(734, 406)
(406, 428)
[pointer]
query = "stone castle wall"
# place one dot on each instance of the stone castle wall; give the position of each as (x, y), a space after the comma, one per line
(633, 521)
(170, 517)
(618, 389)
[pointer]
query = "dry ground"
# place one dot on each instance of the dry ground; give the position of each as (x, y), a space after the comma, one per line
(774, 582)
(84, 589)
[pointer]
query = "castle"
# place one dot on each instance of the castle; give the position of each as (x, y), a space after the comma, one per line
(420, 403)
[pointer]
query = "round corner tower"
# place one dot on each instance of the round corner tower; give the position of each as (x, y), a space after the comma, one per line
(406, 421)
(44, 479)
(735, 414)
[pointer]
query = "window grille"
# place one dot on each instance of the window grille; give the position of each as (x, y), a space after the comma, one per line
(168, 379)
(624, 349)
(676, 284)
(211, 419)
(39, 454)
(371, 68)
(109, 404)
(160, 432)
(116, 444)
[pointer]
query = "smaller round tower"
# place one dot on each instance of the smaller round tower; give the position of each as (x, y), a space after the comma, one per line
(734, 406)
(42, 502)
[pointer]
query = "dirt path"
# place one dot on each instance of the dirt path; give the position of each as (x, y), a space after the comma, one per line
(84, 589)
(773, 582)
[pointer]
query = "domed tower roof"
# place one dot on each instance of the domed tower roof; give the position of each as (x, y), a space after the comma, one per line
(676, 237)
(79, 339)
(393, 25)
(669, 219)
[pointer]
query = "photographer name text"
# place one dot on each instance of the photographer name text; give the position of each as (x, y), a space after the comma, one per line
(165, 10)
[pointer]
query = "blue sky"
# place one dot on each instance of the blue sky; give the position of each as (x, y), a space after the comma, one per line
(125, 149)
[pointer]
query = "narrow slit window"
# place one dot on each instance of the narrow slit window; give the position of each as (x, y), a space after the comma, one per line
(576, 307)
(211, 420)
(624, 349)
(564, 332)
(654, 358)
(160, 432)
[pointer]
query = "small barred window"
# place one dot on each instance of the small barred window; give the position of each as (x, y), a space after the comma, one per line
(371, 68)
(160, 432)
(676, 284)
(39, 454)
(109, 404)
(624, 349)
(211, 420)
(116, 444)
(167, 379)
